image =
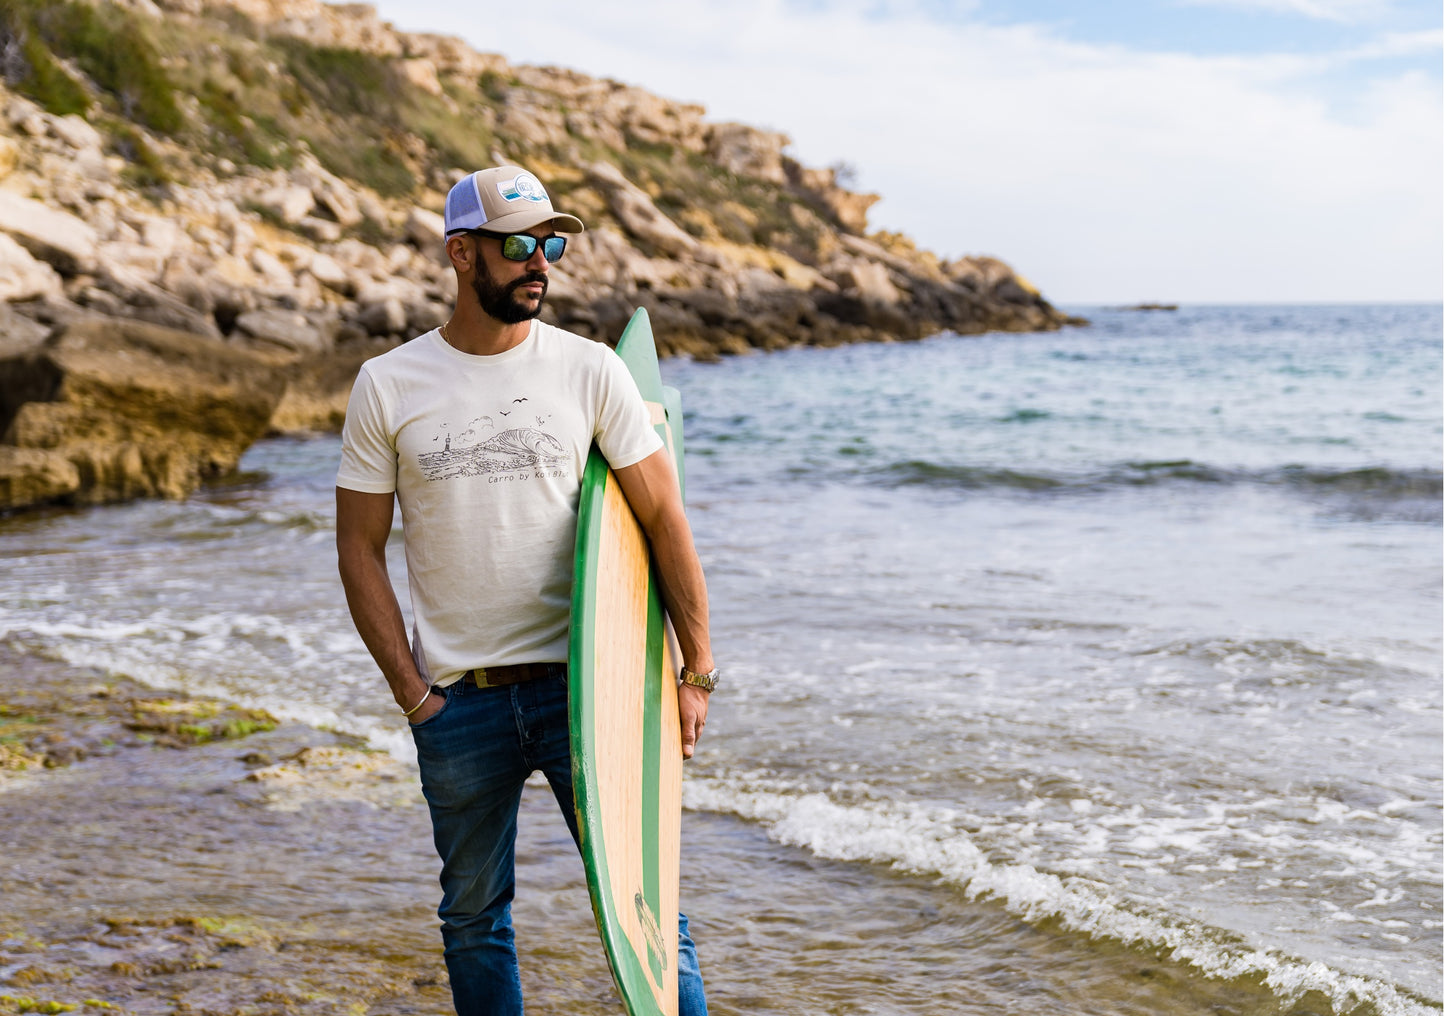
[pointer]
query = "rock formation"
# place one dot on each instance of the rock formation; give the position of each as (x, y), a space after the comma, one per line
(107, 410)
(266, 177)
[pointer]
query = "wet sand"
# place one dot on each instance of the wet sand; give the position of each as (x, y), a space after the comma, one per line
(284, 871)
(177, 857)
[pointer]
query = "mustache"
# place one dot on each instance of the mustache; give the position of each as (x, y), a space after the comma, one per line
(530, 277)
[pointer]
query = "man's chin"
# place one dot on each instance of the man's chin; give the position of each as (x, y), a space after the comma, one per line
(510, 306)
(515, 310)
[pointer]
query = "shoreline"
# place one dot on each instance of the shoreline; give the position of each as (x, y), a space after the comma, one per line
(283, 870)
(290, 870)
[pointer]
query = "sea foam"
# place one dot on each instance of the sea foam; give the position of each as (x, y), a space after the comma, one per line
(925, 840)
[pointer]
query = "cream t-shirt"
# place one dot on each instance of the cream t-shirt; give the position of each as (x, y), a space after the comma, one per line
(485, 455)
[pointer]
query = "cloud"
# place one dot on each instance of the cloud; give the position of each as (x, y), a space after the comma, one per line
(1339, 11)
(1396, 44)
(1099, 171)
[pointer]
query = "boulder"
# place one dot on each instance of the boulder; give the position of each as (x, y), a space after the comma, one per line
(748, 151)
(136, 410)
(287, 329)
(319, 229)
(120, 292)
(160, 234)
(868, 279)
(318, 387)
(22, 277)
(532, 121)
(9, 156)
(290, 203)
(31, 476)
(75, 132)
(426, 229)
(57, 237)
(384, 317)
(19, 334)
(274, 274)
(329, 191)
(637, 214)
(422, 73)
(847, 208)
(326, 270)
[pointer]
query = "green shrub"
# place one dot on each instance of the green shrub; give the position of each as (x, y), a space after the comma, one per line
(146, 168)
(350, 81)
(112, 48)
(258, 140)
(31, 69)
(494, 86)
(104, 42)
(370, 163)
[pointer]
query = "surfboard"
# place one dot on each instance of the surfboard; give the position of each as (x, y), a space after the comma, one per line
(626, 741)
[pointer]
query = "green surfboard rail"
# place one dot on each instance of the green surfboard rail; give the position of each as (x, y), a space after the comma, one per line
(630, 966)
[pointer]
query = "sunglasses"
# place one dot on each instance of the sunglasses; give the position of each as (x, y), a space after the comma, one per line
(521, 246)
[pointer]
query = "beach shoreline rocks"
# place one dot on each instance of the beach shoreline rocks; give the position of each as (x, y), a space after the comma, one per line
(108, 410)
(262, 237)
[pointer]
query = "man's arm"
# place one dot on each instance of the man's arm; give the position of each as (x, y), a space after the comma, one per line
(652, 492)
(363, 523)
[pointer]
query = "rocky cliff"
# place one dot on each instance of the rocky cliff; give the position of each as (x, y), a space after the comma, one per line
(265, 177)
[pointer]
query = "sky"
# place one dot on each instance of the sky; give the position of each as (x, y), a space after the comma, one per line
(1198, 151)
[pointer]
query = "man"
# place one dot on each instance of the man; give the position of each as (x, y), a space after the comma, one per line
(480, 430)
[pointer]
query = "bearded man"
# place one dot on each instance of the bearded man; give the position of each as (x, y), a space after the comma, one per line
(480, 430)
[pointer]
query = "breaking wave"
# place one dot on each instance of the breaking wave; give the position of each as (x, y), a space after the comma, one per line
(928, 841)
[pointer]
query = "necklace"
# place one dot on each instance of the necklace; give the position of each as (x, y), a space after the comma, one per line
(443, 331)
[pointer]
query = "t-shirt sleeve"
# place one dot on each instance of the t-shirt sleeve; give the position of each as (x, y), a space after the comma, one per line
(624, 425)
(368, 456)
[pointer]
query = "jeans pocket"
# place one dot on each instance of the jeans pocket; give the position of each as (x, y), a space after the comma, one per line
(446, 694)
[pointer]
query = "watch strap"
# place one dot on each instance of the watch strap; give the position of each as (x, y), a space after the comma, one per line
(707, 682)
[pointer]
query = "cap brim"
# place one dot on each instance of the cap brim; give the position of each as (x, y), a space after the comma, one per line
(519, 222)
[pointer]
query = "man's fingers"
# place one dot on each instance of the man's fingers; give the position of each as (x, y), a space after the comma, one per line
(692, 715)
(691, 730)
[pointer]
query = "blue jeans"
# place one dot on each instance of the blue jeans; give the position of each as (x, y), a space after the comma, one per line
(475, 754)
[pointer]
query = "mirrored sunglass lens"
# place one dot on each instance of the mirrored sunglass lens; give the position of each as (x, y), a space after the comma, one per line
(518, 247)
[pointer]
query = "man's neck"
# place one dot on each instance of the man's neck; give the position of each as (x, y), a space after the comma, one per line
(480, 334)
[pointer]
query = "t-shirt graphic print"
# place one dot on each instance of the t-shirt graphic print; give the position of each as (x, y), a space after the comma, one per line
(481, 449)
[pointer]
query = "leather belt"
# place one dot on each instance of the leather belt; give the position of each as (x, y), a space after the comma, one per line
(513, 673)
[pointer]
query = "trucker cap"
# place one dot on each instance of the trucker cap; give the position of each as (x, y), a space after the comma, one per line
(505, 199)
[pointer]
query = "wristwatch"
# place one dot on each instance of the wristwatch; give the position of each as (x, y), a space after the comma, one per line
(707, 682)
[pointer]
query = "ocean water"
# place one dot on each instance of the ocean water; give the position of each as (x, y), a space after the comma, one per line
(1103, 665)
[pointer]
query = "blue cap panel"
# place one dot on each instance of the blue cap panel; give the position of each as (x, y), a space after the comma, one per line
(464, 206)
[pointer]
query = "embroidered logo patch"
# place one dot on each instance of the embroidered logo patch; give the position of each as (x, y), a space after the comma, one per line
(523, 187)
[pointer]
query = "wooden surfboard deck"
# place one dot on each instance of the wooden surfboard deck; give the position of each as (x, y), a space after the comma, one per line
(626, 742)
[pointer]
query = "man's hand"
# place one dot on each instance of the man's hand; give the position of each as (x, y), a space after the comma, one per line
(692, 712)
(433, 705)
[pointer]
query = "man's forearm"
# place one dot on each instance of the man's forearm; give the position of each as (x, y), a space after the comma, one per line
(377, 616)
(684, 590)
(651, 489)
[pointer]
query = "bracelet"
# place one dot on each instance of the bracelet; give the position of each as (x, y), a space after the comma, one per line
(419, 704)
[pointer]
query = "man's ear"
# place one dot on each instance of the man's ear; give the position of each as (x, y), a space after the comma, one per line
(460, 253)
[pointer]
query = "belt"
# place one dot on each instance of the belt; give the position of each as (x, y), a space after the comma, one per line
(514, 673)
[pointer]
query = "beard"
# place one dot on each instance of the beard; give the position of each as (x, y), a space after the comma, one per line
(502, 302)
